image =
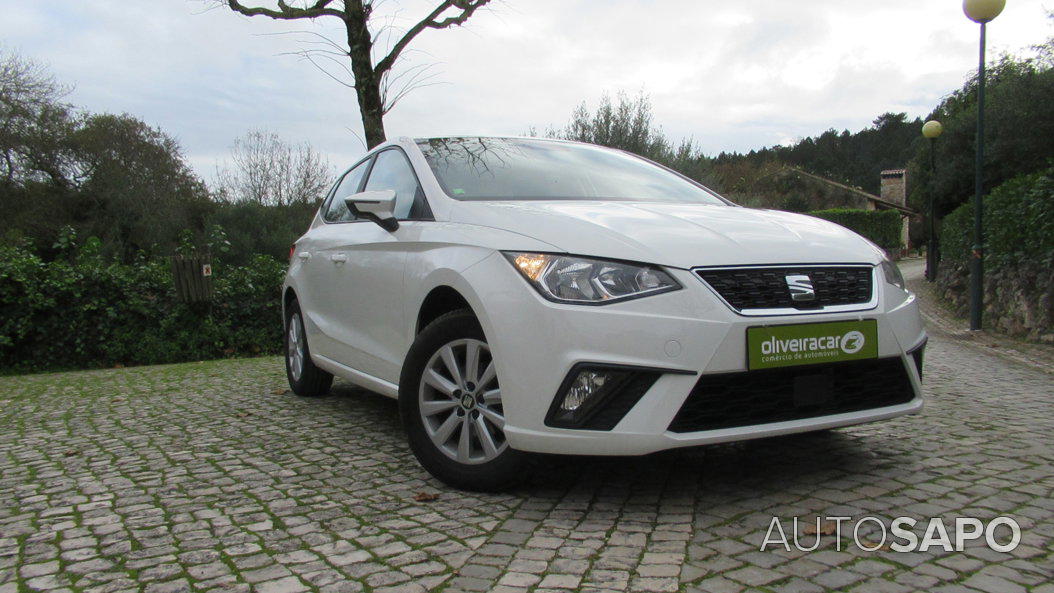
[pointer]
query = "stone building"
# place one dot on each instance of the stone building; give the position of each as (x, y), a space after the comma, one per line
(894, 193)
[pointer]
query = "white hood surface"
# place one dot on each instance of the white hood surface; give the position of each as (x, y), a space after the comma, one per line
(676, 235)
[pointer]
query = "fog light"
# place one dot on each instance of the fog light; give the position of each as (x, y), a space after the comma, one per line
(595, 396)
(587, 384)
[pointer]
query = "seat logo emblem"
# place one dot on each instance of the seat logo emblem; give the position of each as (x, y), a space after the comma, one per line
(800, 287)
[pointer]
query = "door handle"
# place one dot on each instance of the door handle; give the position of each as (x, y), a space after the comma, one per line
(339, 258)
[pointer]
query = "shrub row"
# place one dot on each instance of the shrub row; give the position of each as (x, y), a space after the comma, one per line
(882, 227)
(1018, 225)
(86, 311)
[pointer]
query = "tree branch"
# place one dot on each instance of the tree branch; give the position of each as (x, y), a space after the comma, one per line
(286, 12)
(432, 21)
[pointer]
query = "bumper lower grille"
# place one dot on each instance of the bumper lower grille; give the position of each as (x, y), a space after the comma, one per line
(731, 400)
(767, 288)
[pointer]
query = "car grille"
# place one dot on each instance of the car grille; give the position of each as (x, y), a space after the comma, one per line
(745, 289)
(730, 400)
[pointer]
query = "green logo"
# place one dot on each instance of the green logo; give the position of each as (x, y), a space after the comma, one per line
(811, 343)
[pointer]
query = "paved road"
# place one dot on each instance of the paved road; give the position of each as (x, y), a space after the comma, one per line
(210, 477)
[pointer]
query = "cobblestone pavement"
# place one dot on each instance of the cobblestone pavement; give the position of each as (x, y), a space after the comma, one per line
(211, 477)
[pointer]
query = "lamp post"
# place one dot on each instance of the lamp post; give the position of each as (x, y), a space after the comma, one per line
(932, 130)
(979, 11)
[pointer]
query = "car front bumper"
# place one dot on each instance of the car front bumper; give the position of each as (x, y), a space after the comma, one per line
(689, 332)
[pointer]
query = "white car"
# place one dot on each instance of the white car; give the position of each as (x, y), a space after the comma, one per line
(522, 295)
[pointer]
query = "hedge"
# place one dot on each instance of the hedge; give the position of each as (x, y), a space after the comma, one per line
(1018, 225)
(85, 311)
(882, 227)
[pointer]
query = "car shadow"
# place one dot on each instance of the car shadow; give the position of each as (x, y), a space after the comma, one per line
(759, 465)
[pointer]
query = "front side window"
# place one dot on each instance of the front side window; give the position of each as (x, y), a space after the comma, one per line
(337, 210)
(537, 169)
(392, 171)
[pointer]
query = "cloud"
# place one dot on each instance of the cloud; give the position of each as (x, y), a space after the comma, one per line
(734, 77)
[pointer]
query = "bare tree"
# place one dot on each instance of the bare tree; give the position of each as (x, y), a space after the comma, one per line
(33, 119)
(376, 88)
(267, 170)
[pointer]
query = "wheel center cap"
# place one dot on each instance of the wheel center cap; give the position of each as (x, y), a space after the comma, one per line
(467, 401)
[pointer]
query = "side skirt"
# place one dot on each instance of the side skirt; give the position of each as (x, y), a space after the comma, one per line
(359, 378)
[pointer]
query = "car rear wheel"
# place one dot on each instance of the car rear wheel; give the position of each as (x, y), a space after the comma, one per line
(304, 377)
(451, 406)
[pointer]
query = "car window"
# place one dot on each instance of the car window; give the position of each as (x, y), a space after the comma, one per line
(392, 171)
(337, 210)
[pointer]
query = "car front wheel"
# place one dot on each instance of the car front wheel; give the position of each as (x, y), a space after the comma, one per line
(451, 406)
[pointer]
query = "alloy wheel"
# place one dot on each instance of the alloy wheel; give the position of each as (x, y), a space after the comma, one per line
(295, 347)
(460, 402)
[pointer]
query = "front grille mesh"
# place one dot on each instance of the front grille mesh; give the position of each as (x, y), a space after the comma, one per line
(738, 399)
(766, 288)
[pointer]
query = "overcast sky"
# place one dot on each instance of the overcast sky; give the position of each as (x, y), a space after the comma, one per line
(731, 75)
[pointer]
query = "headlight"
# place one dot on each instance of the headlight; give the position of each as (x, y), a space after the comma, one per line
(588, 281)
(893, 275)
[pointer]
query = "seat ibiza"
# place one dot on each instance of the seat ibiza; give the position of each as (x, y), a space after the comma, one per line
(540, 296)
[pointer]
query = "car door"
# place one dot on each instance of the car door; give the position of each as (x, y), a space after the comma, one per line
(319, 251)
(368, 281)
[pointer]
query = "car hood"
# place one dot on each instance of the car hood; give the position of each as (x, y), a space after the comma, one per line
(677, 235)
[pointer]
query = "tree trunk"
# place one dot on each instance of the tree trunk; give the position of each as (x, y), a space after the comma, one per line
(367, 80)
(372, 111)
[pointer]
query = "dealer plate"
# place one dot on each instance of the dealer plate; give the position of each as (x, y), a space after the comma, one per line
(775, 346)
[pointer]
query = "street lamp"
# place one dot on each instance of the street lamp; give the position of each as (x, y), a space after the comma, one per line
(979, 11)
(932, 130)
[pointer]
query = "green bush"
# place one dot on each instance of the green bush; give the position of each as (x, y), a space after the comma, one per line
(1018, 225)
(86, 311)
(883, 227)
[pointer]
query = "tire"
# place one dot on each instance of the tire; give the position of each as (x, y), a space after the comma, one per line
(470, 400)
(305, 378)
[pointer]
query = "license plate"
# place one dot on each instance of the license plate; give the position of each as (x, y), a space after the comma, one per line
(775, 346)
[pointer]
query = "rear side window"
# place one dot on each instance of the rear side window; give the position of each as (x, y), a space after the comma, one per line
(392, 171)
(337, 210)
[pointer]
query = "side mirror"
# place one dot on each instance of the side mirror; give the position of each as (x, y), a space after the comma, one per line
(376, 206)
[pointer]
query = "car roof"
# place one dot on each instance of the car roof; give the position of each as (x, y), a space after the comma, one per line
(496, 137)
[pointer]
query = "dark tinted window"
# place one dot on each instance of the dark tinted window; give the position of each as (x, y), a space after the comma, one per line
(392, 171)
(528, 169)
(337, 210)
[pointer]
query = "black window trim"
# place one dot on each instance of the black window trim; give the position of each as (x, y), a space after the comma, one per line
(362, 182)
(417, 178)
(372, 157)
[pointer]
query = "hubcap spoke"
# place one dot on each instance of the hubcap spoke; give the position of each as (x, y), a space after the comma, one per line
(488, 374)
(492, 397)
(442, 434)
(439, 382)
(463, 446)
(483, 434)
(471, 362)
(494, 417)
(436, 407)
(451, 365)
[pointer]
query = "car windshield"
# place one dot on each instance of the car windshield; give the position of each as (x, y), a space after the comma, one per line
(537, 169)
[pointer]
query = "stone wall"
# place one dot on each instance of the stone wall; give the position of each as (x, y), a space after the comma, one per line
(1018, 301)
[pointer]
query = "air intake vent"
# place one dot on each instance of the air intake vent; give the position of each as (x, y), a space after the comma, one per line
(732, 400)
